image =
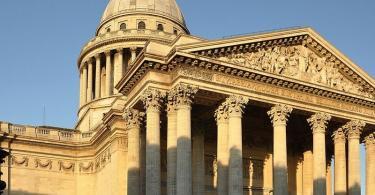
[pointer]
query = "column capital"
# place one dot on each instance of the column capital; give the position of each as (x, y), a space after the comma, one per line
(354, 129)
(107, 53)
(279, 114)
(97, 56)
(221, 113)
(183, 94)
(235, 105)
(369, 140)
(319, 121)
(119, 50)
(133, 117)
(133, 49)
(152, 99)
(90, 60)
(338, 136)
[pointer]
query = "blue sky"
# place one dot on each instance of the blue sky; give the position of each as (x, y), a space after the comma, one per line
(41, 39)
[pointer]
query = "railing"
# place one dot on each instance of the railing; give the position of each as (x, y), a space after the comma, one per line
(49, 133)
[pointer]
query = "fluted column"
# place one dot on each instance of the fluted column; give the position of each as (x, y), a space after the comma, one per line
(171, 147)
(339, 140)
(198, 160)
(318, 123)
(97, 76)
(84, 84)
(235, 105)
(279, 116)
(108, 76)
(133, 120)
(118, 69)
(152, 100)
(183, 95)
(221, 116)
(354, 129)
(133, 52)
(370, 163)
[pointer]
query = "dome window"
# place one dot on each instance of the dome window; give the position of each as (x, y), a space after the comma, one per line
(141, 25)
(160, 27)
(122, 26)
(108, 30)
(175, 32)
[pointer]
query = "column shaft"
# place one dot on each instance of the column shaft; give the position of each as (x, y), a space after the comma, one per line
(354, 167)
(118, 68)
(280, 169)
(80, 87)
(108, 75)
(97, 77)
(329, 180)
(222, 155)
(133, 51)
(153, 180)
(171, 150)
(198, 162)
(184, 168)
(134, 163)
(308, 173)
(340, 162)
(89, 81)
(370, 164)
(84, 85)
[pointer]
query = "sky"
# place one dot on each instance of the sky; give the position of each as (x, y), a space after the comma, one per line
(40, 41)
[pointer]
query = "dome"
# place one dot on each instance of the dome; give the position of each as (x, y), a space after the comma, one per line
(167, 8)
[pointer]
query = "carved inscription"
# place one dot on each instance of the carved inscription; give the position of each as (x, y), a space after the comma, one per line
(281, 92)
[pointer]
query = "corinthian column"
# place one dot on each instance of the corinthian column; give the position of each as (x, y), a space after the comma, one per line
(354, 130)
(221, 116)
(152, 100)
(279, 116)
(198, 160)
(235, 105)
(370, 163)
(89, 81)
(171, 146)
(97, 76)
(183, 96)
(108, 76)
(133, 120)
(339, 140)
(318, 123)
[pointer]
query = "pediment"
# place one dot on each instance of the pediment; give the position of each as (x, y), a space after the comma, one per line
(304, 56)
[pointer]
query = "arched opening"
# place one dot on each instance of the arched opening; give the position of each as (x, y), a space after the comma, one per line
(141, 25)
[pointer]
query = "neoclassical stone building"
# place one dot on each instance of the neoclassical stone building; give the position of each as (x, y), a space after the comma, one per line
(165, 112)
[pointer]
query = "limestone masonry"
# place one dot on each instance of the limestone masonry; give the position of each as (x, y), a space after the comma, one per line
(165, 112)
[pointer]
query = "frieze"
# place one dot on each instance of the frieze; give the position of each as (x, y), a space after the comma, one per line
(292, 94)
(195, 72)
(297, 62)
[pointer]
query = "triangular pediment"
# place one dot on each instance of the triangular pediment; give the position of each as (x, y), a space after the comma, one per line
(300, 54)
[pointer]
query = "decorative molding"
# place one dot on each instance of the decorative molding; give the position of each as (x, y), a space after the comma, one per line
(318, 122)
(183, 94)
(353, 129)
(46, 164)
(235, 105)
(69, 166)
(20, 162)
(133, 117)
(153, 99)
(279, 114)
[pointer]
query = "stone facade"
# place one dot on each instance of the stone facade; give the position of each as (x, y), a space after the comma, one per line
(165, 112)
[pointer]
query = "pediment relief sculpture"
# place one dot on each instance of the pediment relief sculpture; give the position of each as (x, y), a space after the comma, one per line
(298, 62)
